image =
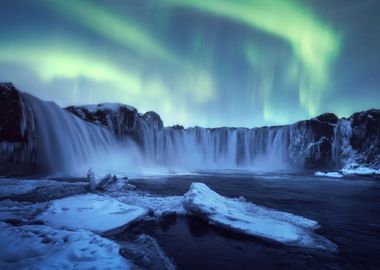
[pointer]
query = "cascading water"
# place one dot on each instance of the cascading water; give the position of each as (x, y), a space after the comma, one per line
(342, 152)
(64, 143)
(40, 137)
(201, 148)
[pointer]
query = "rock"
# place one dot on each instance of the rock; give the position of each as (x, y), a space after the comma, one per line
(178, 127)
(122, 120)
(365, 139)
(102, 183)
(105, 181)
(91, 179)
(145, 253)
(324, 142)
(17, 140)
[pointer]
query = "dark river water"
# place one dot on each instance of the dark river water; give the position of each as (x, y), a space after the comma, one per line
(348, 211)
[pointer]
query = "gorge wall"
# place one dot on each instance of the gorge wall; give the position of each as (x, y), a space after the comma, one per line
(38, 136)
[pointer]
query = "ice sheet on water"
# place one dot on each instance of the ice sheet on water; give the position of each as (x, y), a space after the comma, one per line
(42, 247)
(92, 212)
(10, 187)
(159, 205)
(250, 219)
(356, 169)
(328, 174)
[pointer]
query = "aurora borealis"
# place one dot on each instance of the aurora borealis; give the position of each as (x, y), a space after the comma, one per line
(198, 62)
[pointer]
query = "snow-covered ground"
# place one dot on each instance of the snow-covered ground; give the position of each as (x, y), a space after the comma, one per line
(328, 174)
(100, 214)
(250, 219)
(42, 247)
(22, 212)
(10, 187)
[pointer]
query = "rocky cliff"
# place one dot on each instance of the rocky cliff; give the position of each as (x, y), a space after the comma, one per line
(30, 128)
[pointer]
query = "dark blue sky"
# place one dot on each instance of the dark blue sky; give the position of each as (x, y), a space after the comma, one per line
(196, 62)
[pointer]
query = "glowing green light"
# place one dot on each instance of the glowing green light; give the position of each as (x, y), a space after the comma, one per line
(313, 42)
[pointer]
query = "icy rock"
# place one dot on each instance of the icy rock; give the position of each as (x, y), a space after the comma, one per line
(42, 247)
(100, 214)
(106, 181)
(250, 219)
(145, 252)
(91, 179)
(356, 169)
(20, 212)
(101, 183)
(9, 187)
(328, 174)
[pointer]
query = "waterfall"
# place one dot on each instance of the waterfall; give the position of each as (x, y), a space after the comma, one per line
(203, 148)
(342, 152)
(115, 137)
(64, 143)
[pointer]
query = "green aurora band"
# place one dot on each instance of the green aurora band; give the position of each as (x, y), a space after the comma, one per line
(195, 62)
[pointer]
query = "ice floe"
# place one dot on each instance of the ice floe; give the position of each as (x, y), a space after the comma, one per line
(160, 206)
(100, 214)
(42, 247)
(247, 218)
(10, 187)
(328, 174)
(356, 169)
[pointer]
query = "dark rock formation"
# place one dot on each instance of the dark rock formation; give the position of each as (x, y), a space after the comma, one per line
(17, 154)
(365, 139)
(28, 132)
(10, 114)
(40, 137)
(314, 138)
(122, 120)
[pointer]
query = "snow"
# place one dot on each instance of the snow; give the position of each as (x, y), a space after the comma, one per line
(160, 206)
(100, 214)
(250, 219)
(328, 174)
(10, 187)
(42, 247)
(93, 108)
(356, 169)
(20, 211)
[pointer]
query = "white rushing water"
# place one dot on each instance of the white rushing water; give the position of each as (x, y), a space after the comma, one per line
(200, 148)
(65, 144)
(62, 143)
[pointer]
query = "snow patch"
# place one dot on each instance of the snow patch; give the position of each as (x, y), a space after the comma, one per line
(92, 212)
(93, 108)
(20, 211)
(160, 206)
(250, 219)
(10, 187)
(356, 169)
(42, 247)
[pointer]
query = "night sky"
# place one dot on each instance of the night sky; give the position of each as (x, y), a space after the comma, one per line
(198, 62)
